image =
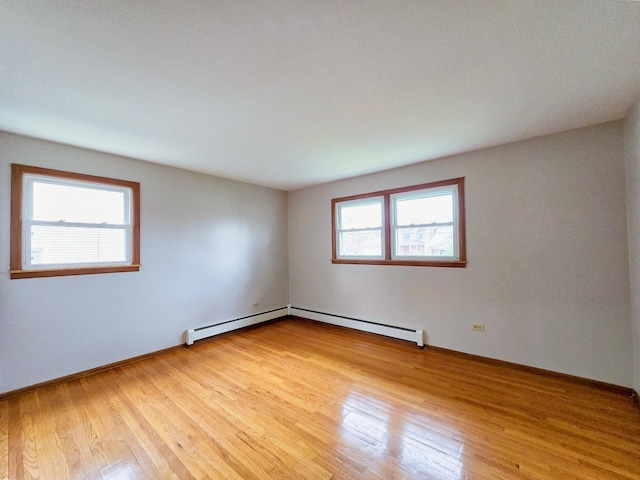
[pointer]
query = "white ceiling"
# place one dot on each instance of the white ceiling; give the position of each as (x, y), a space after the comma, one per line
(291, 93)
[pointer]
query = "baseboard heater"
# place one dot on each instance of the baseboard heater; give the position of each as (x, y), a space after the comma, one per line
(402, 333)
(194, 334)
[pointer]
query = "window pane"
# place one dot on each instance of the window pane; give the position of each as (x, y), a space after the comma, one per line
(424, 242)
(53, 203)
(367, 215)
(66, 245)
(421, 210)
(367, 243)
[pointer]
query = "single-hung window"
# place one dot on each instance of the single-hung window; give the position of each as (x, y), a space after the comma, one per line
(65, 223)
(419, 225)
(425, 224)
(360, 233)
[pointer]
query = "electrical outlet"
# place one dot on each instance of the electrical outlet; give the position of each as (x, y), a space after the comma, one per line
(478, 327)
(255, 305)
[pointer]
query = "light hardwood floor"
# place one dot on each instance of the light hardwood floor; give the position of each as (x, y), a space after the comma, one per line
(298, 399)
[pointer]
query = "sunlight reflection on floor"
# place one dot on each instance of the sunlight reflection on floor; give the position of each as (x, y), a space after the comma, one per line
(409, 443)
(121, 472)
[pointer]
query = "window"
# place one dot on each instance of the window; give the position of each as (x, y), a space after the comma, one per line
(66, 223)
(419, 225)
(360, 230)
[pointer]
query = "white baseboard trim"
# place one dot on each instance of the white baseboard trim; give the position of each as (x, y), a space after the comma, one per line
(402, 333)
(194, 334)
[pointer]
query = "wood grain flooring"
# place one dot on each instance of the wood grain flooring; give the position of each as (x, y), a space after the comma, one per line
(297, 399)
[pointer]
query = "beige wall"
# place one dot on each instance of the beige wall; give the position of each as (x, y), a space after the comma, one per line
(632, 160)
(210, 248)
(548, 269)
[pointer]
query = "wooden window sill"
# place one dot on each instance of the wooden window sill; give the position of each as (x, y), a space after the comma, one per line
(62, 272)
(406, 263)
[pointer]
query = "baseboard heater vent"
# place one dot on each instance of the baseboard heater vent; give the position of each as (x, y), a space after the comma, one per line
(194, 334)
(412, 335)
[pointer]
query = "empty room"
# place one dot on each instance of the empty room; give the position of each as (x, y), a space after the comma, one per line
(320, 240)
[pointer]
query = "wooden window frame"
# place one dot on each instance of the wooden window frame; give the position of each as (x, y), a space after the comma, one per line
(16, 270)
(460, 262)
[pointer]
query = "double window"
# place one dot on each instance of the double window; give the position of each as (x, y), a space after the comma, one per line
(419, 225)
(65, 223)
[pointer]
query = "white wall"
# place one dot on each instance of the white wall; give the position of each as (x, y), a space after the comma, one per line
(548, 269)
(210, 248)
(632, 160)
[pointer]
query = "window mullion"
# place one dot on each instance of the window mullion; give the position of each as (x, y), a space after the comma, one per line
(386, 207)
